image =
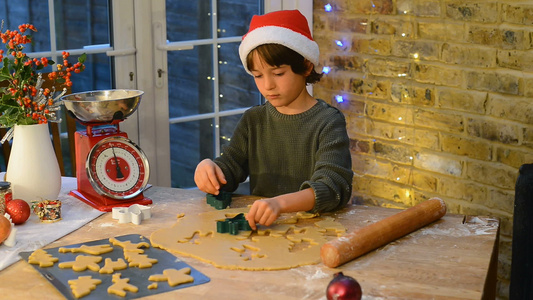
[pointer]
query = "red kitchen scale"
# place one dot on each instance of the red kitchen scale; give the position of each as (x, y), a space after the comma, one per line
(111, 170)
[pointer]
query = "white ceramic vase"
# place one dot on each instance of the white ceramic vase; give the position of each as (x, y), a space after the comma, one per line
(33, 169)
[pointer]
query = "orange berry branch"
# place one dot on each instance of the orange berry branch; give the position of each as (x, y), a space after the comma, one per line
(23, 101)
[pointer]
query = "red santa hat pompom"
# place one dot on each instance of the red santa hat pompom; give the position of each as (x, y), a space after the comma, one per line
(285, 27)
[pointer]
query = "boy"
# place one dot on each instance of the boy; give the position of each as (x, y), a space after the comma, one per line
(294, 148)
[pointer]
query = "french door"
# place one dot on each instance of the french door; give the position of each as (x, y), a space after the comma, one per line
(184, 56)
(181, 53)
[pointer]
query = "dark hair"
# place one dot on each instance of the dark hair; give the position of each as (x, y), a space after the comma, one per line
(277, 55)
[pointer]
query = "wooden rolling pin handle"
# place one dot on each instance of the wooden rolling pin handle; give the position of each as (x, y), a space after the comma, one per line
(343, 249)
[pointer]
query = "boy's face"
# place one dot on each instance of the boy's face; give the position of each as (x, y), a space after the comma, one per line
(283, 88)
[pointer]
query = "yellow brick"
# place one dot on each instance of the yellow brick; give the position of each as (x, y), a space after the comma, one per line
(457, 99)
(438, 163)
(380, 188)
(528, 85)
(513, 157)
(468, 55)
(381, 169)
(355, 125)
(373, 46)
(478, 11)
(439, 75)
(410, 94)
(426, 50)
(424, 181)
(396, 27)
(393, 113)
(501, 200)
(516, 59)
(387, 131)
(434, 30)
(511, 108)
(389, 68)
(346, 23)
(501, 82)
(497, 175)
(461, 189)
(494, 130)
(375, 89)
(528, 137)
(520, 13)
(439, 120)
(505, 38)
(426, 139)
(421, 196)
(384, 7)
(347, 62)
(332, 82)
(427, 8)
(465, 146)
(393, 152)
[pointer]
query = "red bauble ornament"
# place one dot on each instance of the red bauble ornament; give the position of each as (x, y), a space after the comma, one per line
(19, 210)
(5, 228)
(343, 287)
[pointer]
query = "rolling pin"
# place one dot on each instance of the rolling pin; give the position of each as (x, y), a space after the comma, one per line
(343, 249)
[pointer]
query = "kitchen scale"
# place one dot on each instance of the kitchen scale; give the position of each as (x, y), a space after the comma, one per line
(111, 170)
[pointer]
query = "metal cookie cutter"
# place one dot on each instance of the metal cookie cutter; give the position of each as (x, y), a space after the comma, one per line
(134, 214)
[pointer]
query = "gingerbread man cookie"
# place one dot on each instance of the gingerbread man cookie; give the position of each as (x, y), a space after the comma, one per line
(82, 263)
(120, 286)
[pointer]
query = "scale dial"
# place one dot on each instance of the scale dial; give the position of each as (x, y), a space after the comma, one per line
(117, 168)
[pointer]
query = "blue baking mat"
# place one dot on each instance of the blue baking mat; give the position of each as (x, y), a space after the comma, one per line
(138, 277)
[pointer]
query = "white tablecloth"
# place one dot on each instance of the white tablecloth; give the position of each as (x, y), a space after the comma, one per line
(33, 234)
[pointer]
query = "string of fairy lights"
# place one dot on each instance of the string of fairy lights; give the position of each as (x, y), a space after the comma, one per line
(325, 70)
(339, 98)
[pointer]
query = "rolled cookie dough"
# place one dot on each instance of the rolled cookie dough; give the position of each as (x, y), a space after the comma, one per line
(275, 248)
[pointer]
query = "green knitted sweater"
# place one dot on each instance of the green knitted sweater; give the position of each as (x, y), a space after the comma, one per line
(286, 153)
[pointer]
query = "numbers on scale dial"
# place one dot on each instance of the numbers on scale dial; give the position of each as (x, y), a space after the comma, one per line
(117, 168)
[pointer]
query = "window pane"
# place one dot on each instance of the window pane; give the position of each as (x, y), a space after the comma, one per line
(14, 14)
(188, 20)
(234, 16)
(190, 143)
(237, 88)
(190, 81)
(96, 76)
(81, 23)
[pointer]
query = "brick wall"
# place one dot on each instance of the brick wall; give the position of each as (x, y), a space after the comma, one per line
(437, 96)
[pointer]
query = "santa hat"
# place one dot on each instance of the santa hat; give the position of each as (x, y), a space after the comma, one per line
(285, 27)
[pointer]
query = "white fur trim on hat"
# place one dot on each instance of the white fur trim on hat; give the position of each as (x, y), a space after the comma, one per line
(278, 35)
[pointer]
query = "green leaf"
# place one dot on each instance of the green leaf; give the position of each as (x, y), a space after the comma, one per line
(4, 77)
(82, 58)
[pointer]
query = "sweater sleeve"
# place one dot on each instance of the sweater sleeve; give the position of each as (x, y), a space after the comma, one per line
(234, 158)
(332, 177)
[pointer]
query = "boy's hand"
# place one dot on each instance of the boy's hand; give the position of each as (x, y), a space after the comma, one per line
(209, 177)
(264, 212)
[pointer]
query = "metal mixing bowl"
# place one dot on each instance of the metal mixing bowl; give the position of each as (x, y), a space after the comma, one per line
(102, 106)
